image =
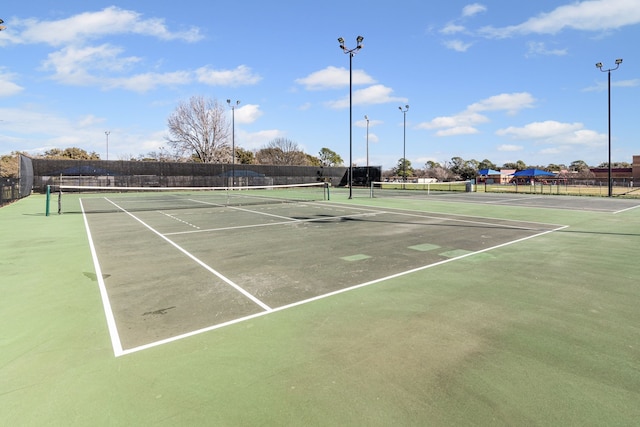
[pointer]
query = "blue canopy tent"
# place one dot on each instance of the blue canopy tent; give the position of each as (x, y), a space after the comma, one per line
(484, 172)
(533, 173)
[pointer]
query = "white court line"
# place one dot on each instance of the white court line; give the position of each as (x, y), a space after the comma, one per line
(241, 209)
(111, 321)
(327, 295)
(445, 216)
(270, 224)
(627, 209)
(198, 261)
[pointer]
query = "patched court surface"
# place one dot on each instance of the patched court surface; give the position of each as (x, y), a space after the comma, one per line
(170, 273)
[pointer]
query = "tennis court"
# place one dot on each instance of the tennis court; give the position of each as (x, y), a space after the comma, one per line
(445, 309)
(171, 266)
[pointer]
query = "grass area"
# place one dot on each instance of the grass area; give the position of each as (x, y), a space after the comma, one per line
(543, 332)
(566, 190)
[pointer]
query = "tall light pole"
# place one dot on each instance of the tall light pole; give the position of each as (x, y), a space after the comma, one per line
(233, 140)
(351, 53)
(367, 119)
(106, 132)
(404, 143)
(599, 65)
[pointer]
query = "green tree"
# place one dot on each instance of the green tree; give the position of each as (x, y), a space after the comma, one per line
(9, 165)
(519, 165)
(329, 157)
(578, 166)
(313, 160)
(464, 169)
(73, 153)
(245, 157)
(487, 164)
(403, 169)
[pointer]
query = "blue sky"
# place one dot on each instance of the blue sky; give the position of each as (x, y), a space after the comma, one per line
(496, 79)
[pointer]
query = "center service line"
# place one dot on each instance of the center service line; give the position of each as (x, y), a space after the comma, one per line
(198, 261)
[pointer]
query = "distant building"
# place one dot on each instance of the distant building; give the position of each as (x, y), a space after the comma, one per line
(620, 175)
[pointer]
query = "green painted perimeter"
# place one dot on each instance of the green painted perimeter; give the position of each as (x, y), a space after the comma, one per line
(542, 332)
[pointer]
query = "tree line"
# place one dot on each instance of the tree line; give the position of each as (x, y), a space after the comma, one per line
(460, 169)
(199, 131)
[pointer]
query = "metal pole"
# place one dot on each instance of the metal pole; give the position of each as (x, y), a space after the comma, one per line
(107, 133)
(350, 126)
(404, 143)
(351, 53)
(404, 146)
(599, 65)
(367, 119)
(233, 146)
(233, 140)
(609, 120)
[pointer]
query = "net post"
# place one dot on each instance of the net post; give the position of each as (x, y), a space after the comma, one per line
(326, 186)
(48, 196)
(60, 200)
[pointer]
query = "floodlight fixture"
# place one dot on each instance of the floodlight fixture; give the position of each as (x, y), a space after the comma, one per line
(599, 65)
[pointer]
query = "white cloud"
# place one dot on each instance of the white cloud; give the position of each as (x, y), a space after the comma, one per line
(91, 25)
(464, 123)
(241, 75)
(457, 45)
(452, 29)
(247, 114)
(510, 102)
(7, 87)
(333, 78)
(540, 130)
(376, 94)
(539, 48)
(591, 15)
(553, 132)
(257, 140)
(473, 9)
(509, 147)
(458, 130)
(462, 120)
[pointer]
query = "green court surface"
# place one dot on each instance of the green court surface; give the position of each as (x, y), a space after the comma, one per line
(458, 309)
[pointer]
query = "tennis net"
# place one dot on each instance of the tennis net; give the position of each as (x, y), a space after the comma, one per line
(94, 199)
(417, 189)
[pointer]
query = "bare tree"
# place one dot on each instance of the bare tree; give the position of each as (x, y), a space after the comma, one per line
(199, 128)
(281, 151)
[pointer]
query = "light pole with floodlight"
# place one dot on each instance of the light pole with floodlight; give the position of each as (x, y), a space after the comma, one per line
(367, 119)
(404, 144)
(233, 140)
(599, 65)
(106, 132)
(351, 53)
